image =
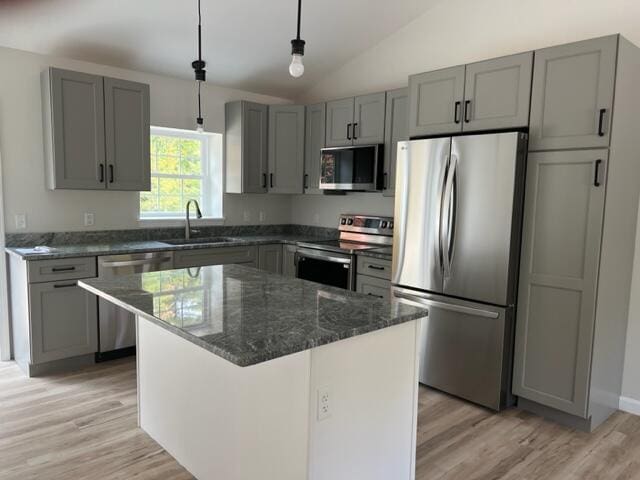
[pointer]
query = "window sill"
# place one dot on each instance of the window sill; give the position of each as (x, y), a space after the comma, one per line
(179, 222)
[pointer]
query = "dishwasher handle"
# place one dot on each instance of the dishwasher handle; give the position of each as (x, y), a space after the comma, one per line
(135, 263)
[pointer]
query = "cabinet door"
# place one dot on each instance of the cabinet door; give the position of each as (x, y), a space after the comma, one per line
(572, 95)
(76, 101)
(339, 123)
(435, 102)
(286, 148)
(375, 287)
(126, 113)
(562, 230)
(64, 321)
(314, 141)
(289, 260)
(270, 258)
(396, 130)
(497, 93)
(254, 147)
(368, 126)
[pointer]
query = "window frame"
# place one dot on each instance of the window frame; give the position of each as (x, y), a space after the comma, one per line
(209, 165)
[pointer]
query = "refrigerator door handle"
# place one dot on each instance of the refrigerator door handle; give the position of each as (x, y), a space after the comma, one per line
(447, 213)
(453, 205)
(441, 214)
(476, 312)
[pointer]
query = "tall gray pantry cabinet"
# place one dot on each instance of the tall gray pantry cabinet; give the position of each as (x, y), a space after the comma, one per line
(581, 203)
(96, 132)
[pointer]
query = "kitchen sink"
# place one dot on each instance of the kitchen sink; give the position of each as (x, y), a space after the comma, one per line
(197, 241)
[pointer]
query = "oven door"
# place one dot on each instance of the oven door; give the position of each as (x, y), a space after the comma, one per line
(328, 268)
(350, 168)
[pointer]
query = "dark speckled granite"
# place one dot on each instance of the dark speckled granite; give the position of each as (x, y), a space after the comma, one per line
(111, 243)
(248, 316)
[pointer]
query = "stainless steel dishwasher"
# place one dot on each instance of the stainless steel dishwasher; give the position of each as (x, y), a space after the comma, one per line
(116, 326)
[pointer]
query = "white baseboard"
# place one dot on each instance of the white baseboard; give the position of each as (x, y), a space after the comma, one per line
(630, 405)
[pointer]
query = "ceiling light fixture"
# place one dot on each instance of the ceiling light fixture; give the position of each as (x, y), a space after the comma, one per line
(201, 75)
(296, 68)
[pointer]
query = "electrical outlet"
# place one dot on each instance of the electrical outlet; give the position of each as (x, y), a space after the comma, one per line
(246, 216)
(324, 403)
(316, 218)
(263, 216)
(21, 221)
(88, 219)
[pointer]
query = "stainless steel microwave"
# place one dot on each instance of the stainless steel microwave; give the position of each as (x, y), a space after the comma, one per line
(357, 168)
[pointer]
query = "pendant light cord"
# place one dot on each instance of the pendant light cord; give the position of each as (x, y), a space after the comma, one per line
(200, 32)
(299, 15)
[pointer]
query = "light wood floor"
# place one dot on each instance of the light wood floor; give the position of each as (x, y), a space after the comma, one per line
(83, 426)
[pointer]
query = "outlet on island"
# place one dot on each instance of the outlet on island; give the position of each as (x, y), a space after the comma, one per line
(88, 220)
(324, 403)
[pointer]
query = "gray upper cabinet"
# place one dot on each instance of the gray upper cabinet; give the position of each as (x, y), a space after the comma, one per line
(63, 321)
(339, 122)
(497, 93)
(127, 124)
(314, 141)
(396, 130)
(73, 106)
(286, 148)
(564, 209)
(572, 95)
(368, 121)
(246, 147)
(96, 132)
(435, 102)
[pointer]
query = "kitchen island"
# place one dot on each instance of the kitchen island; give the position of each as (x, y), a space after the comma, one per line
(244, 374)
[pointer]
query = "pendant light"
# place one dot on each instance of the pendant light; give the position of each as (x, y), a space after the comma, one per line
(201, 75)
(296, 68)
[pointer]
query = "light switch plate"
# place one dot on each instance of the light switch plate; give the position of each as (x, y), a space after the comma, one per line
(21, 221)
(246, 216)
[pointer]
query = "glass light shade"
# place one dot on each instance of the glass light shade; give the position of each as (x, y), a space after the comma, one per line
(296, 68)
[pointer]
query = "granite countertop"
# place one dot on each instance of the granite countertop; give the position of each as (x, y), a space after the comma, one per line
(248, 316)
(117, 248)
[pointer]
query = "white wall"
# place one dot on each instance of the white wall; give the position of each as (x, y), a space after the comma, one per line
(21, 146)
(456, 32)
(324, 210)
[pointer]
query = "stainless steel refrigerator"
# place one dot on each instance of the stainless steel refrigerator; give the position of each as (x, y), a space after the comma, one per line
(456, 245)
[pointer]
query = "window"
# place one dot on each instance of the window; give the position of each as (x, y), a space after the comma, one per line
(184, 165)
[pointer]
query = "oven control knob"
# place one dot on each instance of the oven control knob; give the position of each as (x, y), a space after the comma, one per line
(350, 221)
(343, 221)
(384, 224)
(391, 225)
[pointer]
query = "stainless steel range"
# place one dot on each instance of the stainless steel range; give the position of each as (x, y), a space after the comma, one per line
(334, 262)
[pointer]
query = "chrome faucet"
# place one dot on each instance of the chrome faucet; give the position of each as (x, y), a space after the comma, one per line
(187, 227)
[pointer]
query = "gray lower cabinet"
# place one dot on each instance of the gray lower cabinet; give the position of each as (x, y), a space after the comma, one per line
(200, 257)
(376, 287)
(73, 105)
(96, 132)
(339, 122)
(64, 321)
(246, 147)
(396, 130)
(127, 124)
(572, 96)
(373, 267)
(270, 258)
(497, 93)
(435, 102)
(289, 260)
(368, 119)
(286, 148)
(563, 220)
(314, 142)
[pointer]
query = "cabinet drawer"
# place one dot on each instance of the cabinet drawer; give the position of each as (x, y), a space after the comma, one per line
(374, 267)
(215, 256)
(376, 287)
(61, 269)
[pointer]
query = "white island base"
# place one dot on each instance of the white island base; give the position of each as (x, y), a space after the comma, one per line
(225, 422)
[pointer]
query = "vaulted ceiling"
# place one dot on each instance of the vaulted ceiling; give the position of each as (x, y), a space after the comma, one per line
(246, 42)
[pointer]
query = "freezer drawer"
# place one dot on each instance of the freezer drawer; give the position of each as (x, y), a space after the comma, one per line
(466, 348)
